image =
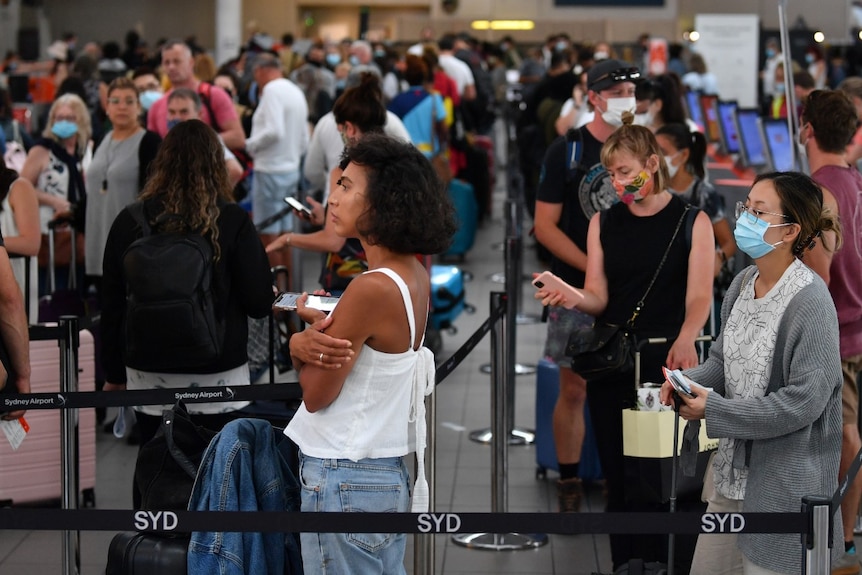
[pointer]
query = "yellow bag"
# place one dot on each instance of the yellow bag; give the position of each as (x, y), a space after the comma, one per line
(650, 434)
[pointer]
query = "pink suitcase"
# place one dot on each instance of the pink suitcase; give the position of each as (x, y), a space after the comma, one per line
(32, 473)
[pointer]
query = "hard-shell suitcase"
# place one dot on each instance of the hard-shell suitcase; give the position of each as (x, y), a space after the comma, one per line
(467, 212)
(447, 296)
(547, 390)
(32, 472)
(133, 553)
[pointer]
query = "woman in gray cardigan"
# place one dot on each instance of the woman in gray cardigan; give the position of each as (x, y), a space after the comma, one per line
(771, 387)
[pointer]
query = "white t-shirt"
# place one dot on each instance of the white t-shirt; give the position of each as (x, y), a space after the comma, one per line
(279, 128)
(458, 71)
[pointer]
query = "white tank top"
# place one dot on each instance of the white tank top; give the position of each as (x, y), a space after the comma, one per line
(380, 411)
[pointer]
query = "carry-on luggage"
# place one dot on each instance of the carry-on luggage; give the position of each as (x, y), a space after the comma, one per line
(447, 296)
(31, 473)
(61, 301)
(133, 553)
(547, 390)
(467, 212)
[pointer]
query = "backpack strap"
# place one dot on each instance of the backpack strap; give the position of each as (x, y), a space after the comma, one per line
(136, 210)
(574, 153)
(204, 91)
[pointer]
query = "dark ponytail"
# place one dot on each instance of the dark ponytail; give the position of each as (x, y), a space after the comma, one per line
(685, 139)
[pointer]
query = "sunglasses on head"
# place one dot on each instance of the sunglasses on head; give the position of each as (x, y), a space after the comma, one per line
(620, 75)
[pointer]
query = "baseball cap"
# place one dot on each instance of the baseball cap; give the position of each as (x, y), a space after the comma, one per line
(606, 73)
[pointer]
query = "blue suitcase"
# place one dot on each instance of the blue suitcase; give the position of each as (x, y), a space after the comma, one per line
(547, 390)
(447, 295)
(467, 212)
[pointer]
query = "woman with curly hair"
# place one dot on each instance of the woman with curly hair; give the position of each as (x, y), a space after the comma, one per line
(189, 192)
(360, 415)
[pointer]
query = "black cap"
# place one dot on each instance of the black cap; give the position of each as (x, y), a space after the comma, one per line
(609, 72)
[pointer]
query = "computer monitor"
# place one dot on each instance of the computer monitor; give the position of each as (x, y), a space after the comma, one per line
(779, 144)
(711, 127)
(695, 113)
(727, 123)
(751, 141)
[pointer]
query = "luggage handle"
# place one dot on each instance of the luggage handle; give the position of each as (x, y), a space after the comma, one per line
(73, 264)
(640, 343)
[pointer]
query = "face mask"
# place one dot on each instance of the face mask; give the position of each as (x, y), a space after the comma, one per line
(333, 59)
(636, 190)
(172, 123)
(64, 129)
(613, 116)
(600, 56)
(560, 46)
(749, 233)
(779, 88)
(149, 98)
(809, 58)
(671, 169)
(354, 60)
(380, 53)
(770, 52)
(644, 119)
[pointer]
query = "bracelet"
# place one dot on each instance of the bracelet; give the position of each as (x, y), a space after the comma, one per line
(287, 240)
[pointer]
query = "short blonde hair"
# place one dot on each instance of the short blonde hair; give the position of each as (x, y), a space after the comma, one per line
(82, 115)
(640, 142)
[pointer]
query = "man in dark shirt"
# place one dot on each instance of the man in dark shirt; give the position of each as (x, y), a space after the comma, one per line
(570, 193)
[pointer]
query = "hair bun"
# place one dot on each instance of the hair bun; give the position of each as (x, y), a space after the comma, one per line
(628, 118)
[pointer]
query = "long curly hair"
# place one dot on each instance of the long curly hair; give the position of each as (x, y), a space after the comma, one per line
(189, 179)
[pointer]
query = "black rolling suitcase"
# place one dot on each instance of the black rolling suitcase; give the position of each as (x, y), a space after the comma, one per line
(133, 553)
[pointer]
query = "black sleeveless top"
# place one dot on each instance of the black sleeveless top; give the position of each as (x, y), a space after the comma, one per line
(633, 247)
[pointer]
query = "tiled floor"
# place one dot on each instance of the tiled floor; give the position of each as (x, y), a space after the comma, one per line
(463, 466)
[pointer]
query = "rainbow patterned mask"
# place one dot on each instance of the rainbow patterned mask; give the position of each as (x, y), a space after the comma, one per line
(636, 190)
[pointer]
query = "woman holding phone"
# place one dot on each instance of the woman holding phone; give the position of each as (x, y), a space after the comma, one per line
(771, 387)
(357, 417)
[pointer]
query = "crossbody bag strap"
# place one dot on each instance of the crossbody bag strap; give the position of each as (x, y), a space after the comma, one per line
(640, 305)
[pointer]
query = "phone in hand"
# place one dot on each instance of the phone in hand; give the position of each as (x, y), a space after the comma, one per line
(287, 300)
(548, 280)
(298, 206)
(679, 382)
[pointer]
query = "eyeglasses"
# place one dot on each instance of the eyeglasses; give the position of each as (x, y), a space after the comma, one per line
(741, 208)
(619, 75)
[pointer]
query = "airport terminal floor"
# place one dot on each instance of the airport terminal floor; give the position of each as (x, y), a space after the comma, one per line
(463, 467)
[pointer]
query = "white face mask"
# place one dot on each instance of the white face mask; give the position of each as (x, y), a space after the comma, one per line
(671, 169)
(613, 116)
(644, 119)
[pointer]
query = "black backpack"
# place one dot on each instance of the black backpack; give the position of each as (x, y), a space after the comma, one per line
(171, 321)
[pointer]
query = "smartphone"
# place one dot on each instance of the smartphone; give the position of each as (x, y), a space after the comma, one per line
(678, 381)
(298, 206)
(548, 280)
(287, 301)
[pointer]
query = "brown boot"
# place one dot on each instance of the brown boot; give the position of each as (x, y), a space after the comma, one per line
(569, 494)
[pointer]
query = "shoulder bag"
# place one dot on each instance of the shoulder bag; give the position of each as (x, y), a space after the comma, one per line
(606, 348)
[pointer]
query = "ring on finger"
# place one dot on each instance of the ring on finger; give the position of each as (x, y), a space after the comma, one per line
(321, 357)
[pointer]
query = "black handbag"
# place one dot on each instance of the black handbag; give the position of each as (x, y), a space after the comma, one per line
(601, 349)
(167, 464)
(606, 348)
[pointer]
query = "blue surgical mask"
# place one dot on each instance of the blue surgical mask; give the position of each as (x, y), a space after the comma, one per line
(333, 59)
(809, 58)
(64, 129)
(149, 98)
(779, 88)
(354, 60)
(560, 46)
(770, 52)
(172, 123)
(749, 233)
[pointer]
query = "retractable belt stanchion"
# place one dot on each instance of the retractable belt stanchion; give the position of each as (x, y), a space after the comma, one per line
(817, 543)
(425, 544)
(68, 342)
(501, 362)
(513, 285)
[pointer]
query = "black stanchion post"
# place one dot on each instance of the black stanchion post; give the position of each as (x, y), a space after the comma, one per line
(69, 342)
(501, 361)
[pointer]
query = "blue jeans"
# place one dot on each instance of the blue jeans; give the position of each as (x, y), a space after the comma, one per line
(367, 485)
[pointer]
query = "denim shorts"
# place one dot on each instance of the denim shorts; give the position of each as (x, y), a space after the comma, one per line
(368, 485)
(268, 190)
(561, 323)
